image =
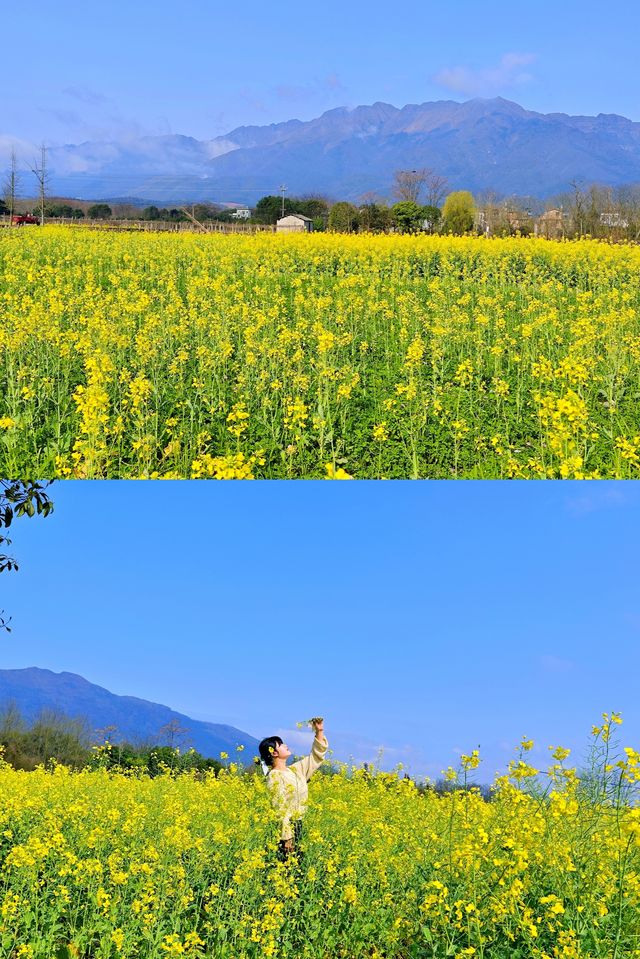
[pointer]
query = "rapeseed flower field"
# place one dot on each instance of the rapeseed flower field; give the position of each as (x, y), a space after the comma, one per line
(101, 864)
(317, 356)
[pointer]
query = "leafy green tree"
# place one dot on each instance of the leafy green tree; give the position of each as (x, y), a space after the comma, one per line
(407, 216)
(174, 215)
(205, 211)
(431, 216)
(4, 209)
(151, 213)
(343, 218)
(62, 210)
(18, 498)
(375, 217)
(459, 212)
(99, 211)
(225, 216)
(269, 209)
(315, 207)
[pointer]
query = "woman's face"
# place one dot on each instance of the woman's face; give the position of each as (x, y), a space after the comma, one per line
(282, 751)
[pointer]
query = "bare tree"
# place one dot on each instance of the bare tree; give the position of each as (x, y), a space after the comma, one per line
(42, 176)
(371, 196)
(578, 206)
(409, 184)
(436, 187)
(175, 734)
(10, 186)
(627, 206)
(107, 733)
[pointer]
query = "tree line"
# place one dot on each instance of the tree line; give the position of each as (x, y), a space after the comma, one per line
(54, 736)
(420, 202)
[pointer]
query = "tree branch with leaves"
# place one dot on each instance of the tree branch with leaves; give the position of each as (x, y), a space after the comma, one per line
(18, 498)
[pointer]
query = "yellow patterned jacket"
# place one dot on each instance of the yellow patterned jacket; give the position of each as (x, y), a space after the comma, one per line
(288, 787)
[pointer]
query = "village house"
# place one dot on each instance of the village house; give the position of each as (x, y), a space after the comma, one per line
(497, 220)
(551, 224)
(242, 213)
(294, 223)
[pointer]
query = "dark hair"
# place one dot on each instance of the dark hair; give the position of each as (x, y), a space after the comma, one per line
(266, 748)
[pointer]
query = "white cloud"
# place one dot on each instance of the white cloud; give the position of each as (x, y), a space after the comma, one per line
(315, 89)
(22, 147)
(352, 747)
(487, 81)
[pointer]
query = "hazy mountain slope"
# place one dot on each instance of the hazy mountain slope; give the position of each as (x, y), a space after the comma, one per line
(481, 144)
(34, 689)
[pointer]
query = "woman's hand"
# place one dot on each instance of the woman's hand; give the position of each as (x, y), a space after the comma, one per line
(318, 726)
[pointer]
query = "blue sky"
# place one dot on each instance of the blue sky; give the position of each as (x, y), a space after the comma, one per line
(74, 71)
(427, 617)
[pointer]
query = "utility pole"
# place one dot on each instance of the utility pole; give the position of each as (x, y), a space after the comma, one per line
(283, 190)
(42, 177)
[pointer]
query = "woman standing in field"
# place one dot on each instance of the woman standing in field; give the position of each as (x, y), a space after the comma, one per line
(287, 785)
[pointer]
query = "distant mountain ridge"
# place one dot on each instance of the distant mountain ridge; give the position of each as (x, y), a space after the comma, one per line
(492, 144)
(34, 689)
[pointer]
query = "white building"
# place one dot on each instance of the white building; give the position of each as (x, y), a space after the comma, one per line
(614, 219)
(242, 213)
(294, 223)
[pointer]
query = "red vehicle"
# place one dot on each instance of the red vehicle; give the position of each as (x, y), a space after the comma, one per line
(21, 218)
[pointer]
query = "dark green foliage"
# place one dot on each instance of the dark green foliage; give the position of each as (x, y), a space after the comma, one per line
(269, 209)
(172, 215)
(63, 210)
(407, 216)
(314, 207)
(375, 218)
(99, 211)
(19, 498)
(204, 211)
(431, 215)
(226, 216)
(343, 218)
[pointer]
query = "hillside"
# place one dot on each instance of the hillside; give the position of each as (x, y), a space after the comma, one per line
(34, 689)
(482, 144)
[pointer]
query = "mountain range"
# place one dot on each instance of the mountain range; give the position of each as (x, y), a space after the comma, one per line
(482, 144)
(34, 689)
